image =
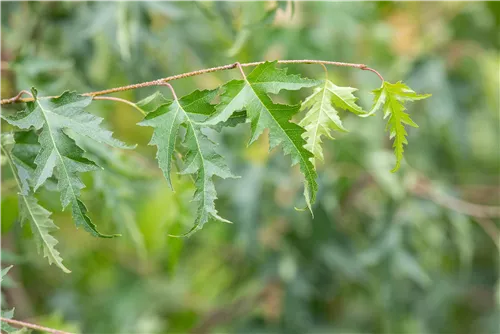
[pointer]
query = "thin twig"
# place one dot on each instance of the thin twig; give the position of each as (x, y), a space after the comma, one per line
(171, 90)
(18, 98)
(238, 65)
(162, 81)
(120, 100)
(33, 326)
(326, 71)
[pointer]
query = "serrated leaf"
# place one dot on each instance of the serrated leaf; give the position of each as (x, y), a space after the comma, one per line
(59, 153)
(251, 95)
(41, 226)
(201, 158)
(391, 98)
(323, 115)
(39, 218)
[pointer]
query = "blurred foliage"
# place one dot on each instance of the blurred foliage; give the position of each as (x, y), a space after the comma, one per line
(382, 253)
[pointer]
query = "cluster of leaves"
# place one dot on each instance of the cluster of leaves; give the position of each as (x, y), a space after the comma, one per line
(50, 149)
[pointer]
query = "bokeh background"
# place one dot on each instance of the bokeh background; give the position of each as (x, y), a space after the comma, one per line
(385, 253)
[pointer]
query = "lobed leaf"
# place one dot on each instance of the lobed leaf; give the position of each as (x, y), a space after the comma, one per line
(251, 94)
(59, 155)
(29, 209)
(322, 115)
(391, 98)
(201, 159)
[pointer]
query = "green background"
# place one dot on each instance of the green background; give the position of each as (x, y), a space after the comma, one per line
(385, 253)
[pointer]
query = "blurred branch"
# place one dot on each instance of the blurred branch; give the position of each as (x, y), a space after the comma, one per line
(424, 188)
(32, 326)
(163, 81)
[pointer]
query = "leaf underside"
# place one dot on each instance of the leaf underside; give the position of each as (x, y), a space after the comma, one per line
(323, 114)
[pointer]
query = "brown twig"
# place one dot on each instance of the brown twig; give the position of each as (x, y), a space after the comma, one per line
(240, 68)
(171, 90)
(18, 98)
(160, 82)
(32, 326)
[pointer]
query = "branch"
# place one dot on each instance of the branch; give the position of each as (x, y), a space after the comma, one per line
(161, 82)
(33, 326)
(423, 188)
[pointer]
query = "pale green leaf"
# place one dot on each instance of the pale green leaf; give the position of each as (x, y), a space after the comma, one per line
(323, 114)
(391, 98)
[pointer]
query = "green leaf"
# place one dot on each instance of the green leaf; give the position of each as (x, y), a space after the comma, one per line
(4, 326)
(23, 156)
(59, 153)
(392, 97)
(4, 272)
(251, 95)
(323, 115)
(41, 226)
(201, 159)
(29, 210)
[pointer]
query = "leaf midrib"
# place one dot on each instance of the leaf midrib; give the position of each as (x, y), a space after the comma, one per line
(16, 177)
(47, 247)
(286, 135)
(60, 158)
(319, 117)
(199, 152)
